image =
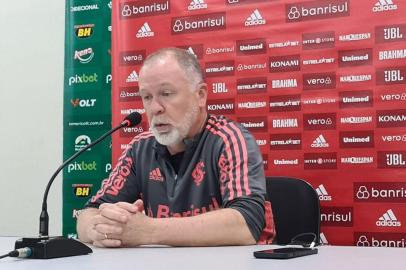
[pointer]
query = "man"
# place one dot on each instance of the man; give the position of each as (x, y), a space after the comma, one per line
(188, 165)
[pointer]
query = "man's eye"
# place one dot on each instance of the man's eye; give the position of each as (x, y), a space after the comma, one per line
(146, 98)
(167, 93)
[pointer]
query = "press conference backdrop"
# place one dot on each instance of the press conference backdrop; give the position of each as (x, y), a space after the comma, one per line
(321, 84)
(87, 103)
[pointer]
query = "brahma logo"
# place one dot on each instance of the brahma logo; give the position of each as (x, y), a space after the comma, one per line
(83, 103)
(284, 83)
(356, 120)
(129, 94)
(315, 81)
(320, 40)
(354, 37)
(357, 160)
(82, 190)
(391, 118)
(254, 124)
(316, 10)
(286, 162)
(130, 58)
(355, 57)
(356, 99)
(84, 31)
(388, 192)
(320, 161)
(143, 8)
(81, 142)
(390, 33)
(316, 121)
(392, 54)
(198, 23)
(392, 75)
(336, 216)
(225, 106)
(323, 194)
(84, 56)
(252, 85)
(388, 219)
(145, 31)
(392, 159)
(384, 5)
(255, 19)
(357, 139)
(284, 103)
(195, 49)
(130, 132)
(284, 63)
(223, 68)
(394, 138)
(285, 123)
(284, 44)
(197, 4)
(287, 141)
(367, 239)
(251, 46)
(84, 8)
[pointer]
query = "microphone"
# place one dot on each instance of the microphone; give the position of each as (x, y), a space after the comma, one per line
(46, 247)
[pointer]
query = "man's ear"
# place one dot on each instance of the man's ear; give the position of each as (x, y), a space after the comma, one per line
(202, 94)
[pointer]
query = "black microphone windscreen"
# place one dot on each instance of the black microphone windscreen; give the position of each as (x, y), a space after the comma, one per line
(132, 119)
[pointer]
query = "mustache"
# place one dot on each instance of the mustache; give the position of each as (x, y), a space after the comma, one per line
(160, 120)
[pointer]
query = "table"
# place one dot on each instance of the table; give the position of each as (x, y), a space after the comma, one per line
(211, 258)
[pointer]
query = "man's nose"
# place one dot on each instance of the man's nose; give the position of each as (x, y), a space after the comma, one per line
(156, 106)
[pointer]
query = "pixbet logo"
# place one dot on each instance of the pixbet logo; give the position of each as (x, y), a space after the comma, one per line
(81, 79)
(82, 166)
(83, 102)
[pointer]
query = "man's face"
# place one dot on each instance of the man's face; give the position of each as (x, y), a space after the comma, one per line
(171, 102)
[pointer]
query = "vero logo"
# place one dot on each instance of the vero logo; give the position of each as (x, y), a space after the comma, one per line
(388, 219)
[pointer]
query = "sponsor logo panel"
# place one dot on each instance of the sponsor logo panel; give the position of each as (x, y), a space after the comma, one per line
(130, 58)
(198, 23)
(316, 81)
(256, 67)
(321, 40)
(350, 58)
(389, 192)
(384, 5)
(282, 123)
(391, 75)
(129, 94)
(356, 99)
(252, 105)
(84, 8)
(323, 194)
(392, 159)
(284, 83)
(285, 103)
(284, 63)
(390, 33)
(219, 68)
(265, 161)
(393, 138)
(237, 2)
(320, 161)
(355, 78)
(133, 131)
(283, 44)
(354, 37)
(316, 10)
(215, 50)
(221, 106)
(143, 8)
(287, 141)
(322, 121)
(377, 239)
(252, 85)
(391, 118)
(197, 4)
(254, 124)
(392, 54)
(82, 190)
(251, 46)
(357, 160)
(195, 49)
(388, 219)
(357, 139)
(84, 30)
(337, 216)
(254, 19)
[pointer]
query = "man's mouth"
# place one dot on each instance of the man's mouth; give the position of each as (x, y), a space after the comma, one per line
(162, 128)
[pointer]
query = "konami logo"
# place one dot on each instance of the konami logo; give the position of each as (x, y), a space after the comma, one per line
(284, 103)
(391, 75)
(223, 106)
(356, 99)
(144, 8)
(194, 49)
(321, 40)
(336, 216)
(222, 68)
(252, 85)
(390, 33)
(319, 121)
(284, 63)
(286, 141)
(375, 239)
(130, 58)
(133, 131)
(198, 23)
(320, 161)
(357, 139)
(390, 192)
(316, 10)
(350, 58)
(391, 118)
(129, 94)
(315, 81)
(254, 124)
(251, 46)
(392, 159)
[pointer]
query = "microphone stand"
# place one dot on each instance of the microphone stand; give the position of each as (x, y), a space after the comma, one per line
(46, 247)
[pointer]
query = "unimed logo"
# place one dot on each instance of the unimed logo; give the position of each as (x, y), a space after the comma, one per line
(254, 124)
(286, 141)
(316, 10)
(356, 99)
(336, 216)
(222, 68)
(252, 85)
(144, 8)
(319, 121)
(130, 58)
(391, 118)
(320, 40)
(350, 58)
(316, 81)
(198, 23)
(357, 139)
(375, 239)
(391, 75)
(251, 46)
(221, 106)
(285, 103)
(390, 192)
(392, 159)
(82, 190)
(284, 63)
(390, 33)
(320, 161)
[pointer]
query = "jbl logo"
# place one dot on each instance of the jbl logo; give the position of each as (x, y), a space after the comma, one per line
(392, 33)
(219, 88)
(395, 160)
(393, 76)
